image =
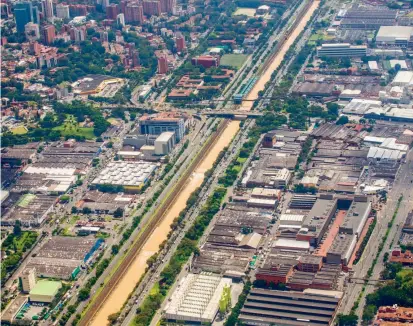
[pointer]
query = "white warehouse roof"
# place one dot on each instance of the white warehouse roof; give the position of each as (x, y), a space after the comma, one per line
(391, 33)
(197, 297)
(291, 244)
(403, 78)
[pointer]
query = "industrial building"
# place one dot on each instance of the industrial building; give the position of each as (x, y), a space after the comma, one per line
(99, 85)
(341, 50)
(131, 175)
(341, 249)
(356, 216)
(234, 240)
(196, 299)
(105, 203)
(401, 36)
(30, 209)
(318, 219)
(44, 291)
(360, 17)
(273, 178)
(61, 257)
(158, 123)
(286, 308)
(302, 201)
(291, 244)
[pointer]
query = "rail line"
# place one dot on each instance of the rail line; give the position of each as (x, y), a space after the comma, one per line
(149, 228)
(285, 36)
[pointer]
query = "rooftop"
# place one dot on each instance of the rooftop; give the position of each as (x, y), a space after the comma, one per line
(45, 287)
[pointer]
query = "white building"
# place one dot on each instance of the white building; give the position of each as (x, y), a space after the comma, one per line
(377, 155)
(62, 11)
(291, 219)
(292, 244)
(32, 31)
(341, 50)
(28, 279)
(403, 78)
(120, 19)
(196, 299)
(165, 143)
(281, 178)
(394, 35)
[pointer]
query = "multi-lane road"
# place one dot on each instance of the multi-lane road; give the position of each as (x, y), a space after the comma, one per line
(402, 187)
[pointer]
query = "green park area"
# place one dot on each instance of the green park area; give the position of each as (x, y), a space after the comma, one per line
(233, 60)
(71, 127)
(14, 246)
(319, 36)
(250, 12)
(19, 130)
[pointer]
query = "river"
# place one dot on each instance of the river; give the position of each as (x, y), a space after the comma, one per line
(266, 76)
(119, 296)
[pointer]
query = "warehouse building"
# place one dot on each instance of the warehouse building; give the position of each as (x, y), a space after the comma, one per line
(302, 201)
(286, 308)
(44, 291)
(318, 219)
(30, 209)
(341, 249)
(401, 36)
(341, 50)
(359, 17)
(131, 175)
(61, 257)
(196, 299)
(356, 216)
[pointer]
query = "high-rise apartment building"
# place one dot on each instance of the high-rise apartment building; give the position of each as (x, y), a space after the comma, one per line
(152, 7)
(62, 11)
(167, 5)
(112, 11)
(163, 65)
(77, 34)
(134, 13)
(48, 9)
(48, 34)
(32, 31)
(180, 42)
(120, 19)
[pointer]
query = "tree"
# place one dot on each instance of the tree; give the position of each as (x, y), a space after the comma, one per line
(115, 249)
(342, 120)
(113, 317)
(84, 294)
(17, 229)
(73, 210)
(118, 212)
(86, 210)
(397, 67)
(347, 320)
(64, 198)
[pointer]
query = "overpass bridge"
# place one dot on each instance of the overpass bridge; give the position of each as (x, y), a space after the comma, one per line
(232, 114)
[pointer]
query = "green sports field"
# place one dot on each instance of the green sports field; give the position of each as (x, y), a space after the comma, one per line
(233, 60)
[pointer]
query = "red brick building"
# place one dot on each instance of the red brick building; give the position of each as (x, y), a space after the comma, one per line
(206, 61)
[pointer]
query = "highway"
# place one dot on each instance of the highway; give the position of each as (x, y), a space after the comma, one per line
(198, 133)
(166, 254)
(402, 186)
